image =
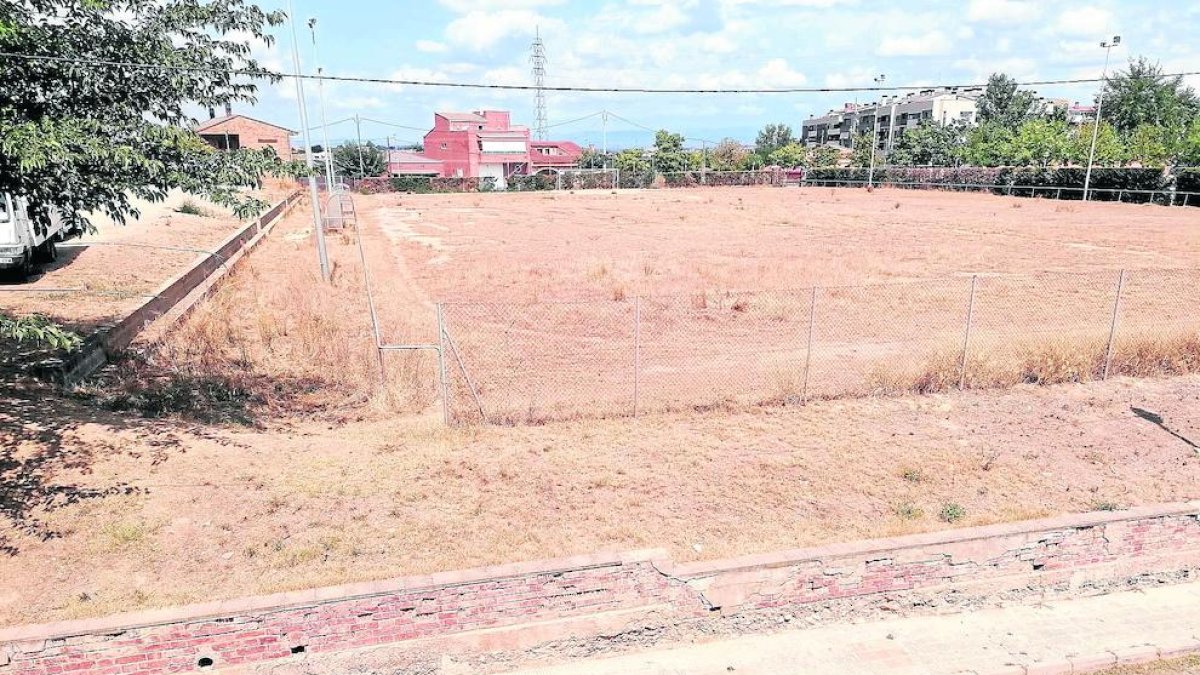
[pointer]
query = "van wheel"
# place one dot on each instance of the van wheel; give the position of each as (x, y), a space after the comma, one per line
(47, 252)
(20, 272)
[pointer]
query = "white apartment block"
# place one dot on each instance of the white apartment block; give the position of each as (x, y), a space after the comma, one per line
(891, 116)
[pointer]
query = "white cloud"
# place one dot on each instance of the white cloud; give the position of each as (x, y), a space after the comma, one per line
(464, 6)
(431, 46)
(980, 69)
(933, 42)
(1086, 20)
(1003, 11)
(855, 77)
(479, 30)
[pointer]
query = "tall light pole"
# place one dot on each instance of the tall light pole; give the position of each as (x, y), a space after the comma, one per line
(874, 136)
(318, 222)
(362, 169)
(1087, 176)
(312, 27)
(604, 136)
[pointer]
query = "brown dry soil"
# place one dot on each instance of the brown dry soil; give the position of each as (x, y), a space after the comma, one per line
(1187, 665)
(592, 244)
(103, 512)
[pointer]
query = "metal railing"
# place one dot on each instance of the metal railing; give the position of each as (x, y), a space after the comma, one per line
(1167, 197)
(523, 363)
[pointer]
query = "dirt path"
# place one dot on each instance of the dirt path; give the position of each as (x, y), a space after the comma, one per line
(104, 275)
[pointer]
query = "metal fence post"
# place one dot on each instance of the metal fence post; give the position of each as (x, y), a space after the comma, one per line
(637, 351)
(441, 321)
(1112, 329)
(962, 367)
(812, 319)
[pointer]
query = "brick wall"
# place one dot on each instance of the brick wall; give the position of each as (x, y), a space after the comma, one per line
(1066, 553)
(252, 133)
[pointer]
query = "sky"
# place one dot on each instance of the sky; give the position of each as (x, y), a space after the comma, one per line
(693, 43)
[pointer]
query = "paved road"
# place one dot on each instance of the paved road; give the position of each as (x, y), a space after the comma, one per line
(1084, 635)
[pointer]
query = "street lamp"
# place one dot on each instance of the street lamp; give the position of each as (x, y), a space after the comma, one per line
(874, 136)
(318, 224)
(1107, 45)
(312, 27)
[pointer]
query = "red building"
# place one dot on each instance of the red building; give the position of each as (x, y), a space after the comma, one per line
(482, 144)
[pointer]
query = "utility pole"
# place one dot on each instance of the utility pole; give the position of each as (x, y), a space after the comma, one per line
(312, 27)
(362, 168)
(1087, 176)
(874, 136)
(318, 221)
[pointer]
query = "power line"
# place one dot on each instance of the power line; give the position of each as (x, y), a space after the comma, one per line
(577, 119)
(520, 87)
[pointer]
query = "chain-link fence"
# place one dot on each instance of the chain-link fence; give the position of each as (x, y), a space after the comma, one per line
(509, 363)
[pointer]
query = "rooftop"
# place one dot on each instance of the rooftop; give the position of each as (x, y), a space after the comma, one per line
(461, 117)
(217, 121)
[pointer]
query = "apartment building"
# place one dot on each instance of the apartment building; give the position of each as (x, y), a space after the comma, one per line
(891, 116)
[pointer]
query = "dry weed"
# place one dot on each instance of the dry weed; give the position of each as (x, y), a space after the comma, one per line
(1049, 361)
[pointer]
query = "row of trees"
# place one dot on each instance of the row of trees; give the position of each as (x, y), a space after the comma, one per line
(775, 146)
(1148, 118)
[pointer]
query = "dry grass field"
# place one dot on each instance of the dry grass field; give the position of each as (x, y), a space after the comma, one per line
(252, 449)
(595, 303)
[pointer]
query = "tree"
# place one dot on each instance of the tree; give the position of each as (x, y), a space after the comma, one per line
(591, 159)
(668, 152)
(789, 156)
(863, 149)
(1041, 142)
(346, 160)
(822, 156)
(632, 163)
(1189, 146)
(1109, 150)
(929, 144)
(989, 144)
(1154, 145)
(728, 155)
(1142, 95)
(89, 138)
(1004, 104)
(773, 137)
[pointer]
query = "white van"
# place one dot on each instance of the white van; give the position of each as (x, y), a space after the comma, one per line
(21, 245)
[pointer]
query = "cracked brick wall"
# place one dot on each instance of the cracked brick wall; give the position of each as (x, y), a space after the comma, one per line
(1066, 553)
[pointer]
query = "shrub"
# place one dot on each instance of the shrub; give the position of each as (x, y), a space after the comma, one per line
(191, 208)
(908, 511)
(411, 184)
(952, 513)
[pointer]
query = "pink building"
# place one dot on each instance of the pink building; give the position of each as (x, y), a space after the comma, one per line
(408, 163)
(482, 144)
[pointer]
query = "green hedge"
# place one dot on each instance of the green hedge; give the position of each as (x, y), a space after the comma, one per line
(1107, 183)
(414, 184)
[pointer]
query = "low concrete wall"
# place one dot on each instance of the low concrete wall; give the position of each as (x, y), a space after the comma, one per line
(1068, 555)
(98, 348)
